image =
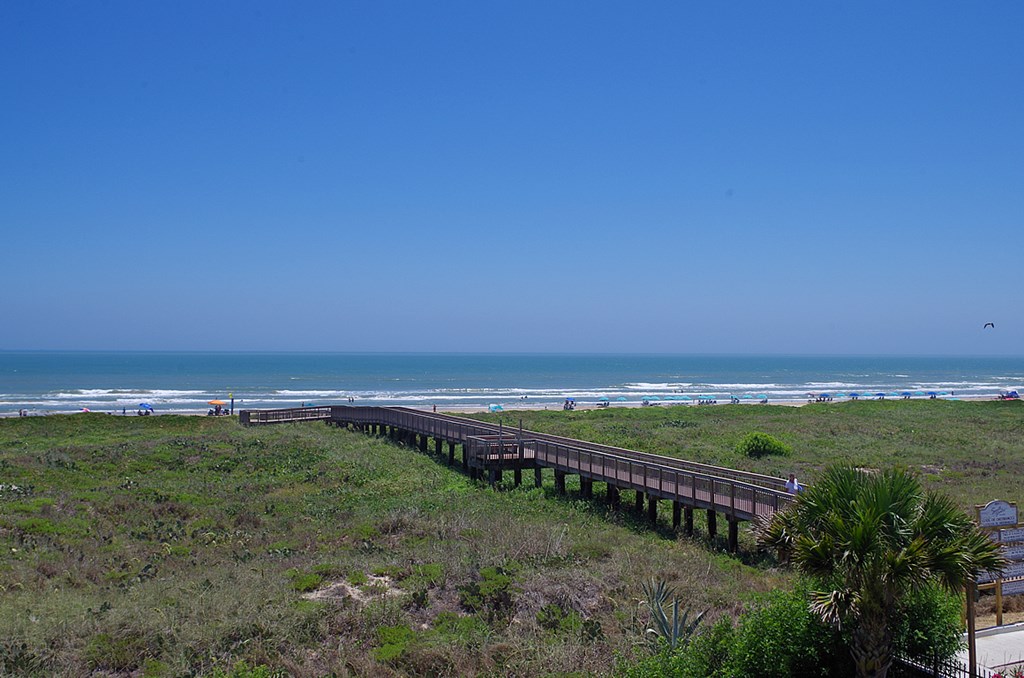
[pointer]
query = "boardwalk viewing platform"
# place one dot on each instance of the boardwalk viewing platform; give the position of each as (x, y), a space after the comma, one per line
(490, 450)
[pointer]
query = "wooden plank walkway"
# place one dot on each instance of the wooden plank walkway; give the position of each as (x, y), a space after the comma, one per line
(489, 449)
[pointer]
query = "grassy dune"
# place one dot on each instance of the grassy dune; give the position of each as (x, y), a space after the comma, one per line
(168, 545)
(182, 545)
(970, 450)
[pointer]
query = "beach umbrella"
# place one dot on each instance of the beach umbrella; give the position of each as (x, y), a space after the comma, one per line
(906, 394)
(603, 398)
(932, 393)
(747, 396)
(894, 393)
(145, 406)
(919, 393)
(840, 395)
(85, 409)
(880, 395)
(685, 398)
(854, 395)
(762, 396)
(824, 395)
(621, 399)
(652, 398)
(216, 402)
(496, 408)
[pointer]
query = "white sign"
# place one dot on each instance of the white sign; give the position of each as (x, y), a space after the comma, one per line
(1015, 552)
(997, 513)
(1012, 534)
(1013, 587)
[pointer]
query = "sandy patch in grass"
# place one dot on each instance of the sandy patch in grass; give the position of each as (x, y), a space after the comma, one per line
(375, 587)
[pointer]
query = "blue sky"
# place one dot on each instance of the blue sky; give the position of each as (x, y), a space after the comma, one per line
(733, 177)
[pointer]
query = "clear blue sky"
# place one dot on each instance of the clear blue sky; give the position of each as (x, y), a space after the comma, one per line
(753, 177)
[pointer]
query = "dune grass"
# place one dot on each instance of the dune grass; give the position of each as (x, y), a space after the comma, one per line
(172, 545)
(971, 450)
(165, 546)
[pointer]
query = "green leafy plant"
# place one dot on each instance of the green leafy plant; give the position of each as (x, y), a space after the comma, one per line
(762, 445)
(671, 623)
(492, 594)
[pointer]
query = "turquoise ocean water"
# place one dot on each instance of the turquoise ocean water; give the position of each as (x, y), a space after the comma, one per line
(48, 382)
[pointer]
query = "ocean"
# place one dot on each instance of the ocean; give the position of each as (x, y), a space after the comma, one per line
(52, 382)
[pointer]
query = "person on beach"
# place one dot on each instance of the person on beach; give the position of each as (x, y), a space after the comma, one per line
(793, 485)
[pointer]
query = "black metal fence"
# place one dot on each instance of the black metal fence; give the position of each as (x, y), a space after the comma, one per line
(946, 668)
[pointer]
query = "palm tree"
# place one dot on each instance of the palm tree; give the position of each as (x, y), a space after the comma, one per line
(868, 539)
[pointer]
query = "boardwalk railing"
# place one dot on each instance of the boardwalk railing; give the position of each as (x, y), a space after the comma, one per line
(740, 495)
(248, 417)
(682, 464)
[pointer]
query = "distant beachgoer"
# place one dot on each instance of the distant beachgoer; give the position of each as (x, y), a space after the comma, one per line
(435, 408)
(124, 411)
(793, 485)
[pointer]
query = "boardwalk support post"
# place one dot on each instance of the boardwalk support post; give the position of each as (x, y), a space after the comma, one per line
(613, 495)
(712, 523)
(559, 481)
(437, 446)
(517, 476)
(734, 533)
(538, 477)
(677, 514)
(451, 452)
(423, 442)
(652, 509)
(688, 521)
(586, 487)
(639, 501)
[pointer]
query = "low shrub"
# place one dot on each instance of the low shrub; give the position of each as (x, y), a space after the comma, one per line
(758, 445)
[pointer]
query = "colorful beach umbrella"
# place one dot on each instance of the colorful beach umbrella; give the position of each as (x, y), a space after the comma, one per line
(145, 406)
(621, 399)
(496, 408)
(216, 402)
(603, 398)
(685, 397)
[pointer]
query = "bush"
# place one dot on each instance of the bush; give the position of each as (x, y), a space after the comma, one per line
(492, 594)
(928, 625)
(780, 636)
(761, 445)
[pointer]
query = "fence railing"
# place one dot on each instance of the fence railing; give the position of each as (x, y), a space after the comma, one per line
(738, 494)
(946, 668)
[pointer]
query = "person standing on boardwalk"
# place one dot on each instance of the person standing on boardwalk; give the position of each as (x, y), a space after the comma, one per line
(793, 485)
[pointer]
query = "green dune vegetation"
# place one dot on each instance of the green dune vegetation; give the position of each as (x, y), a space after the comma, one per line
(172, 545)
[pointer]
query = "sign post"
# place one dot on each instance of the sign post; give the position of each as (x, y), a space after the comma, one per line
(1000, 520)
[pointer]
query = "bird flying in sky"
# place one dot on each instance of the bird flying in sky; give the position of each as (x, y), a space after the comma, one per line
(992, 325)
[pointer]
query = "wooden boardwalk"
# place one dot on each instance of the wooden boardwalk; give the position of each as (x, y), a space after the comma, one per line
(489, 450)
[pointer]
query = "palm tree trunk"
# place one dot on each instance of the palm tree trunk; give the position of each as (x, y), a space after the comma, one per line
(871, 646)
